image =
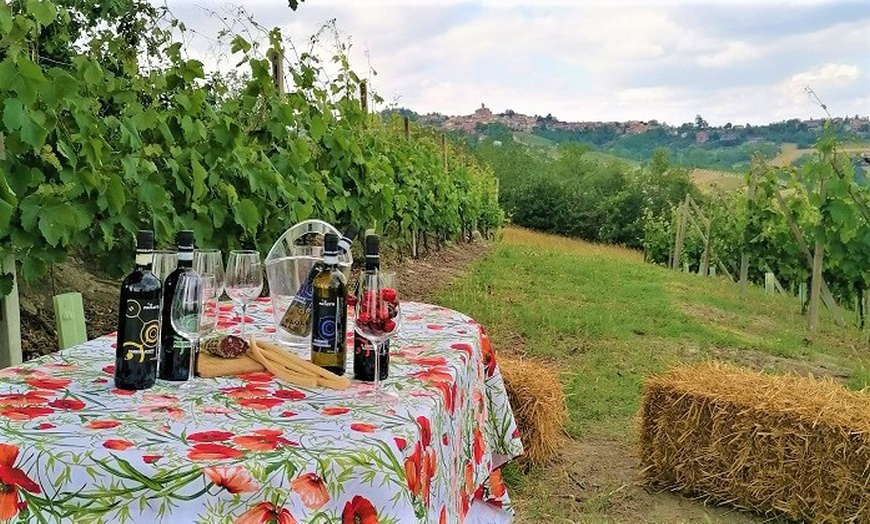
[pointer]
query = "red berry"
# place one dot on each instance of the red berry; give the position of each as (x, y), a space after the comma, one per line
(388, 294)
(364, 318)
(351, 301)
(389, 326)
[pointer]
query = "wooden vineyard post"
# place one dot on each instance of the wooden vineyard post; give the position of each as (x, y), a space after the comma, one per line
(10, 320)
(682, 211)
(277, 60)
(744, 256)
(768, 283)
(816, 283)
(407, 126)
(364, 97)
(826, 295)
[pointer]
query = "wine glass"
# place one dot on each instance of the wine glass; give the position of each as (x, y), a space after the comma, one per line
(210, 262)
(165, 262)
(210, 304)
(244, 279)
(377, 318)
(186, 314)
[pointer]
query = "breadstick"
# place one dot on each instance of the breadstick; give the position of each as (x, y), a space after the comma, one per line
(279, 362)
(280, 372)
(340, 385)
(297, 363)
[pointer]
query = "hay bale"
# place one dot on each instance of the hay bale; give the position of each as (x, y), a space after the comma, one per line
(787, 445)
(538, 403)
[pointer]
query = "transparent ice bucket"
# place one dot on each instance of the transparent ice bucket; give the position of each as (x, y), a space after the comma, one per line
(288, 265)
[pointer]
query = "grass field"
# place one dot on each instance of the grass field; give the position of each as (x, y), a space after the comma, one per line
(605, 320)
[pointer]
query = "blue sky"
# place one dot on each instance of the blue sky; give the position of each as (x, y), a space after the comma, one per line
(731, 61)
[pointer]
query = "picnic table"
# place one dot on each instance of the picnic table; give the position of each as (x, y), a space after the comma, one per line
(252, 448)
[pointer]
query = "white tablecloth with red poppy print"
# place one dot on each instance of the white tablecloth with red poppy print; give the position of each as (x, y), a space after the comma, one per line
(253, 449)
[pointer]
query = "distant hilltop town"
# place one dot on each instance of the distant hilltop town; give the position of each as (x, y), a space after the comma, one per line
(528, 124)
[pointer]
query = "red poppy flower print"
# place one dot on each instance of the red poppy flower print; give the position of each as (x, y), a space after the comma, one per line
(288, 414)
(465, 505)
(290, 394)
(516, 433)
(123, 392)
(102, 424)
(425, 430)
(25, 412)
(118, 444)
(442, 519)
(249, 390)
(311, 490)
(45, 425)
(48, 382)
(479, 446)
(335, 411)
(263, 440)
(12, 478)
(444, 439)
(363, 428)
(260, 403)
(174, 412)
(256, 376)
(469, 477)
(234, 479)
(359, 511)
(151, 459)
(265, 513)
(435, 327)
(465, 348)
(434, 375)
(70, 404)
(109, 370)
(211, 451)
(210, 436)
(159, 398)
(449, 393)
(400, 443)
(496, 485)
(412, 469)
(429, 361)
(30, 398)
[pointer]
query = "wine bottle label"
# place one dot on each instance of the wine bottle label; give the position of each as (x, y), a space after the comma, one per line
(141, 330)
(329, 325)
(297, 318)
(180, 346)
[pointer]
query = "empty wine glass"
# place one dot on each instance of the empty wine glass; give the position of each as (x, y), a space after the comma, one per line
(244, 280)
(377, 318)
(210, 262)
(210, 305)
(186, 314)
(165, 262)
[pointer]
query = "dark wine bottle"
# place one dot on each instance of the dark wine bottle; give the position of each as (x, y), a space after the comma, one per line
(138, 321)
(329, 312)
(363, 349)
(297, 318)
(174, 362)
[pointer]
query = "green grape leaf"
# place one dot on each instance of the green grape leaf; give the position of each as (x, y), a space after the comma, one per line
(32, 132)
(43, 12)
(54, 221)
(93, 74)
(115, 193)
(7, 281)
(5, 22)
(13, 114)
(33, 268)
(6, 212)
(199, 176)
(247, 215)
(317, 127)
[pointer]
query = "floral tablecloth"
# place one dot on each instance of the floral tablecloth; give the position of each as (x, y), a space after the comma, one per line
(251, 448)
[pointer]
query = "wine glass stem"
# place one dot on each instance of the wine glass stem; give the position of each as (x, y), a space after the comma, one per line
(194, 345)
(377, 381)
(244, 315)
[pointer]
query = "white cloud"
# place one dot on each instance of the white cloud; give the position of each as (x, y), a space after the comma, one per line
(590, 60)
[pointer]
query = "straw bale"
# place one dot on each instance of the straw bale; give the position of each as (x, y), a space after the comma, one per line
(538, 403)
(788, 446)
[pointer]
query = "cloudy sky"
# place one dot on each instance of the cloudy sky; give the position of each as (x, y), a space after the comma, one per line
(731, 61)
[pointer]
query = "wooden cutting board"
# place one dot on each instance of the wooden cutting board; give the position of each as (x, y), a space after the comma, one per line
(209, 366)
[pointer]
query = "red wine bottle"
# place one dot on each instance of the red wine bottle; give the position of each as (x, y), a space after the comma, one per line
(138, 321)
(174, 363)
(363, 349)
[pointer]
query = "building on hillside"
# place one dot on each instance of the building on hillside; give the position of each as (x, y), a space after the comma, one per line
(701, 137)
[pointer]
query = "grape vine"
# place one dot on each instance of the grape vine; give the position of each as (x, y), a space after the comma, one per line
(106, 127)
